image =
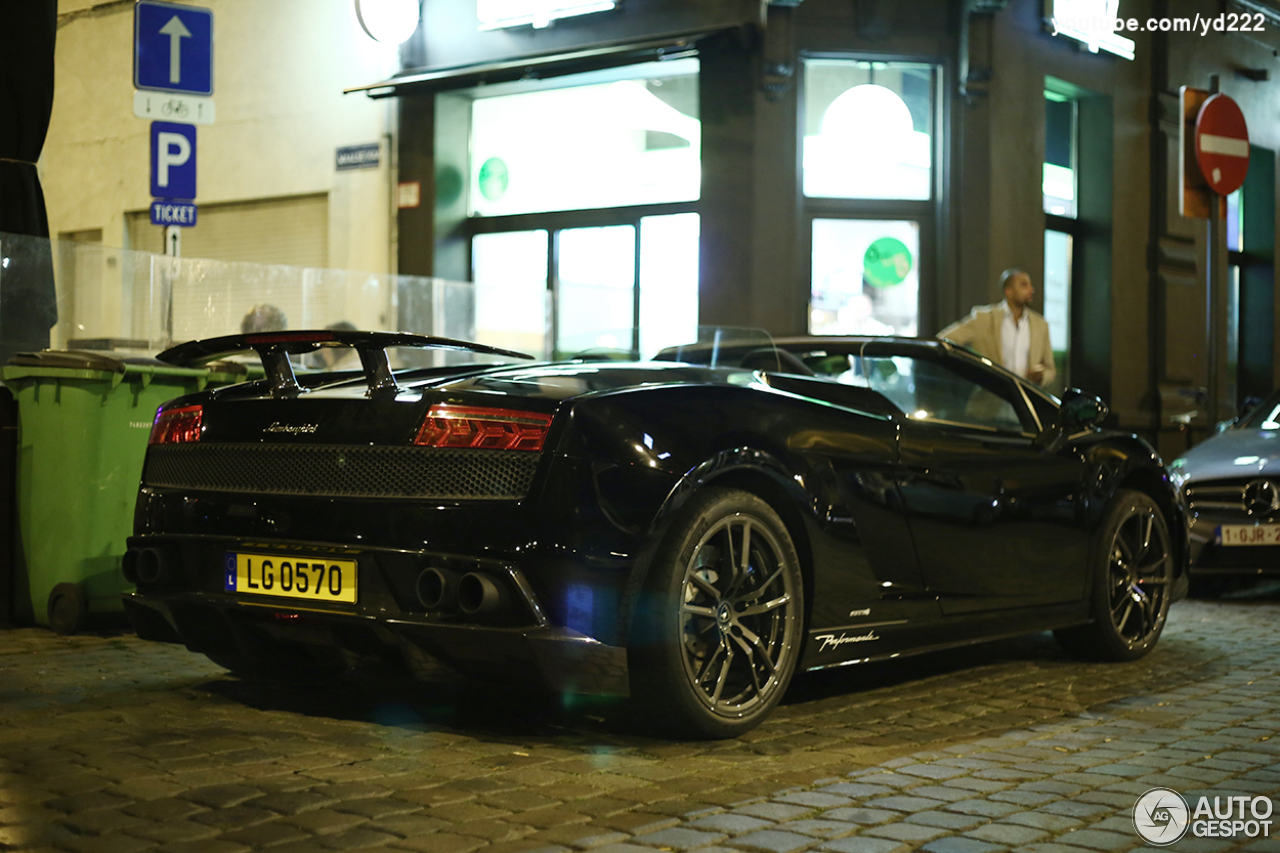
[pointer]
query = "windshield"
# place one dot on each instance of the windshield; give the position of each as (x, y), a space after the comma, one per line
(1266, 416)
(713, 346)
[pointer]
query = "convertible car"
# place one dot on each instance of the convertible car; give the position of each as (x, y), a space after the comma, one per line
(688, 531)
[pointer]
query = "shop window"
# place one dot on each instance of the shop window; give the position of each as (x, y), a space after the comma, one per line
(1235, 221)
(1059, 183)
(1057, 303)
(590, 288)
(1251, 280)
(668, 281)
(865, 278)
(510, 274)
(613, 138)
(1060, 186)
(868, 129)
(595, 288)
(1078, 166)
(1235, 246)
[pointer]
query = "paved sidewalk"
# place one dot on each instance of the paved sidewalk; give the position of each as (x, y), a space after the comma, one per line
(111, 744)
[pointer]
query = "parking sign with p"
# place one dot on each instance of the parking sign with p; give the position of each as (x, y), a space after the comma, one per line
(173, 160)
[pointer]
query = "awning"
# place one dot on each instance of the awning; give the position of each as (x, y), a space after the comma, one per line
(536, 66)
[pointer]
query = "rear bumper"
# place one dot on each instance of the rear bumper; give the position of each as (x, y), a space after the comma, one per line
(184, 595)
(561, 659)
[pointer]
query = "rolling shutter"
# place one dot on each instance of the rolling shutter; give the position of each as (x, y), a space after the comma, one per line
(293, 231)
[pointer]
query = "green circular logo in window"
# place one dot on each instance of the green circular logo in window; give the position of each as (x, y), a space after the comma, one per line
(886, 262)
(494, 179)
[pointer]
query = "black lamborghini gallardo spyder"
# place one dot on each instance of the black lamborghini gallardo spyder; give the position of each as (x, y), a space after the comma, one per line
(687, 531)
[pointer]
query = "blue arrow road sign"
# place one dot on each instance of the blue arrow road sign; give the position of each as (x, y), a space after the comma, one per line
(172, 48)
(173, 161)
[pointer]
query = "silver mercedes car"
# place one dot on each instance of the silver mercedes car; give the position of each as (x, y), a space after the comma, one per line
(1231, 485)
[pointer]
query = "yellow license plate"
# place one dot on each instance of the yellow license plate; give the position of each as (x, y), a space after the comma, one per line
(308, 578)
(1249, 534)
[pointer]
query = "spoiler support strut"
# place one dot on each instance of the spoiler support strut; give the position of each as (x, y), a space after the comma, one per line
(274, 349)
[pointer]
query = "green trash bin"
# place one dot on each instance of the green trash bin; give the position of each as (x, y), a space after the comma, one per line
(83, 422)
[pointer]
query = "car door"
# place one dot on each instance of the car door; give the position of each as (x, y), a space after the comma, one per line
(996, 520)
(852, 458)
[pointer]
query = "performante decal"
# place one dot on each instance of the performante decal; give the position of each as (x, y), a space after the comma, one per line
(831, 641)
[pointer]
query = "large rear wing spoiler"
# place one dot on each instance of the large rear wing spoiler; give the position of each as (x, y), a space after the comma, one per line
(274, 349)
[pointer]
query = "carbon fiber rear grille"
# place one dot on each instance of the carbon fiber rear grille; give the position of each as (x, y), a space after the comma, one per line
(342, 471)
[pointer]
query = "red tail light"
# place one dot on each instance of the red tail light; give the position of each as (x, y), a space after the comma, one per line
(177, 426)
(489, 429)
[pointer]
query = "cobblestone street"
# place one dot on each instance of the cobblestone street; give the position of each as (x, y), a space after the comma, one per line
(108, 743)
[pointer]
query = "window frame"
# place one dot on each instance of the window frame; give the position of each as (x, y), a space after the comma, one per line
(553, 223)
(929, 214)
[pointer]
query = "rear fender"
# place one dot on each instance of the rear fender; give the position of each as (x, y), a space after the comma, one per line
(746, 468)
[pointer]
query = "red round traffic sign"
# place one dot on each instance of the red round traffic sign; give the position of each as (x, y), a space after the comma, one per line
(1222, 144)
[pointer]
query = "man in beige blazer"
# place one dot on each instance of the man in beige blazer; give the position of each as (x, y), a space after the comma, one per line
(1009, 332)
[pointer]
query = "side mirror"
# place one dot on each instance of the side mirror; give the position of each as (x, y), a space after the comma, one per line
(1080, 410)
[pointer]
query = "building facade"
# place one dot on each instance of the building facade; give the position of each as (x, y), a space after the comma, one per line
(623, 171)
(865, 166)
(269, 190)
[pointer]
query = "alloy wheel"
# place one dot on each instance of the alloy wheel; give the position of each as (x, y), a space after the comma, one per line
(1139, 572)
(738, 616)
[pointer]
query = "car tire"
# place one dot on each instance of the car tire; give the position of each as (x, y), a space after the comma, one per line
(1132, 583)
(716, 636)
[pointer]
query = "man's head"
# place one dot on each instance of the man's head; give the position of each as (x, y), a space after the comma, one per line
(263, 318)
(1018, 289)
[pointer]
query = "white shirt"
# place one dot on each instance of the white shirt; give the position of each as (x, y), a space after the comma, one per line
(1015, 341)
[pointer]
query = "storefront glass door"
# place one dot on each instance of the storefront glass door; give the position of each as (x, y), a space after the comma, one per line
(668, 281)
(510, 273)
(595, 288)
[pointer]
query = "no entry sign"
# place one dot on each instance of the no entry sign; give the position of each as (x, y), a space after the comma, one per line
(1222, 144)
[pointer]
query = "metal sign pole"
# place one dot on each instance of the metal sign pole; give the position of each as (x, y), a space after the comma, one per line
(1214, 313)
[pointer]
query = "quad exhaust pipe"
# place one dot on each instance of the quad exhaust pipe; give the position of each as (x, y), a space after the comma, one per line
(438, 588)
(145, 565)
(480, 595)
(472, 594)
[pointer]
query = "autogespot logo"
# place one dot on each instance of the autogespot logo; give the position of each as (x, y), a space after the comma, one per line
(1161, 816)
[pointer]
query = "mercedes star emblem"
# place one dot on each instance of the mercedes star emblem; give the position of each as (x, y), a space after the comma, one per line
(1261, 497)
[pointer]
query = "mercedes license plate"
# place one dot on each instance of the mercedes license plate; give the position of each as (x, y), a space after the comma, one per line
(307, 578)
(1248, 534)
